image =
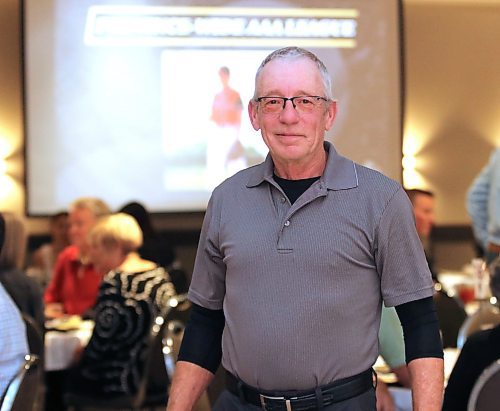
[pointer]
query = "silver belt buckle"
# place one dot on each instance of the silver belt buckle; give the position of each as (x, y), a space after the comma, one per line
(263, 399)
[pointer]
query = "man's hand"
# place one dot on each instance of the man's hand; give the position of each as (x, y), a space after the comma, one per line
(54, 310)
(384, 398)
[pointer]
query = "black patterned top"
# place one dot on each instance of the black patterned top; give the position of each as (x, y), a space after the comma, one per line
(124, 313)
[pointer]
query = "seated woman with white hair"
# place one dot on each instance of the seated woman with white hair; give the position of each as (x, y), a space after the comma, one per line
(132, 293)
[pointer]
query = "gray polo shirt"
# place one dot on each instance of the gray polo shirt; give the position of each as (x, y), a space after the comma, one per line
(302, 285)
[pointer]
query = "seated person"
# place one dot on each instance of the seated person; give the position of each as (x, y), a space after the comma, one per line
(155, 247)
(13, 340)
(43, 259)
(392, 350)
(451, 314)
(479, 351)
(25, 291)
(74, 285)
(132, 293)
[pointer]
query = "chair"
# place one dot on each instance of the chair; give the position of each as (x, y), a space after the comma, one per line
(484, 395)
(22, 391)
(174, 331)
(451, 316)
(172, 339)
(146, 396)
(35, 337)
(36, 347)
(171, 344)
(486, 317)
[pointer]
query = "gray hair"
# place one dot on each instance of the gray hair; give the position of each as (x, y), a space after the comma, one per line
(118, 229)
(290, 53)
(95, 205)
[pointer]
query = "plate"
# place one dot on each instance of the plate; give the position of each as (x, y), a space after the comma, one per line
(67, 323)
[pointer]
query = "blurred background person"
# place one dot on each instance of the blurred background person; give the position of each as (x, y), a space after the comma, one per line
(75, 283)
(24, 290)
(483, 206)
(450, 311)
(13, 340)
(155, 247)
(424, 210)
(225, 153)
(43, 259)
(392, 351)
(132, 294)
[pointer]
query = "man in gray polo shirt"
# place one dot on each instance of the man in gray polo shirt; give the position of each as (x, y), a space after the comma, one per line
(295, 258)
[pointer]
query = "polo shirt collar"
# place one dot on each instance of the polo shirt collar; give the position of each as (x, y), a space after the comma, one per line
(340, 172)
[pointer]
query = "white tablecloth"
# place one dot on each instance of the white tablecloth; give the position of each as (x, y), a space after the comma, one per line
(60, 346)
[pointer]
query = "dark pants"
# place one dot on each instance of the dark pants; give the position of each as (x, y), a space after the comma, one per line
(55, 383)
(363, 402)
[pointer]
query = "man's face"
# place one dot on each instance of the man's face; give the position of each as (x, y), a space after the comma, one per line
(81, 221)
(423, 207)
(292, 137)
(59, 229)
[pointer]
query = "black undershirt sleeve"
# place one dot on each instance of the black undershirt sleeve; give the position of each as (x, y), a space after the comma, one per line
(202, 341)
(421, 329)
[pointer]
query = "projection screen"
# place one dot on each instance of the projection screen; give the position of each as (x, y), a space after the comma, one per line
(121, 96)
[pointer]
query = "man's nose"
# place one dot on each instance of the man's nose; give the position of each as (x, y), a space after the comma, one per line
(289, 113)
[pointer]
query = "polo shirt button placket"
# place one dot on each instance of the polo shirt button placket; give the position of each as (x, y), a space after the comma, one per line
(287, 223)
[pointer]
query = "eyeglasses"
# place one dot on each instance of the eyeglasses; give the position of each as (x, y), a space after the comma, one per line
(303, 104)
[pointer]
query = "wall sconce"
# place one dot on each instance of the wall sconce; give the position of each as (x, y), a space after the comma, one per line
(411, 177)
(4, 154)
(6, 181)
(3, 166)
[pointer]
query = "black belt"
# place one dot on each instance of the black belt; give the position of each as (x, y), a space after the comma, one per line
(337, 391)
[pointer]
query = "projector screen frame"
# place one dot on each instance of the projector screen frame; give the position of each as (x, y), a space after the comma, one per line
(173, 219)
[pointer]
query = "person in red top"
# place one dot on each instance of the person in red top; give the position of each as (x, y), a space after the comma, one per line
(75, 283)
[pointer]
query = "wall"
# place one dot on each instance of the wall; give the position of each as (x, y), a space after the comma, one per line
(452, 106)
(453, 95)
(11, 187)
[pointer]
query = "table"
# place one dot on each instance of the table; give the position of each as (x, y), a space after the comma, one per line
(60, 346)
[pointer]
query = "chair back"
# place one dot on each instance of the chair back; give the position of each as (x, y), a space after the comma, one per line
(172, 339)
(35, 337)
(486, 317)
(154, 353)
(484, 395)
(22, 391)
(36, 345)
(451, 315)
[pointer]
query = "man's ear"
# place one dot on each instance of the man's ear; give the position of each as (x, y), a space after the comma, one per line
(252, 112)
(330, 114)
